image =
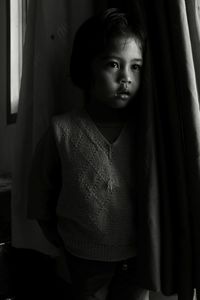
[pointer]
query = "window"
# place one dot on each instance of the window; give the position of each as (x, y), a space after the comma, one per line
(17, 15)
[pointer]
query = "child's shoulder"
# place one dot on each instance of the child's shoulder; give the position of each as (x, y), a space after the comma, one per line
(68, 123)
(67, 117)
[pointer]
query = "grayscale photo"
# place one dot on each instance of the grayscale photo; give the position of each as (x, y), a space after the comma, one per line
(100, 150)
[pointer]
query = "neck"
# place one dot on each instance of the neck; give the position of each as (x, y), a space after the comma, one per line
(102, 113)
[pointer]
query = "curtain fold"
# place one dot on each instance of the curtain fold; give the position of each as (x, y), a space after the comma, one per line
(45, 90)
(168, 131)
(173, 30)
(26, 234)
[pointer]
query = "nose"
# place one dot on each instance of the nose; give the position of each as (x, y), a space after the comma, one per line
(125, 81)
(125, 76)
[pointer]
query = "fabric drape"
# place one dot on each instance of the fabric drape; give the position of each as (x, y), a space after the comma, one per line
(168, 132)
(45, 91)
(174, 43)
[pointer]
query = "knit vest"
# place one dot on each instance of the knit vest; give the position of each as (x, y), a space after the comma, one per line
(96, 209)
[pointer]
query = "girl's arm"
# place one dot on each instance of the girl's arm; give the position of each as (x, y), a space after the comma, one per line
(49, 230)
(44, 186)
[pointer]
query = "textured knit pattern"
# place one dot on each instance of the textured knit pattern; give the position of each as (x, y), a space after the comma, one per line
(96, 204)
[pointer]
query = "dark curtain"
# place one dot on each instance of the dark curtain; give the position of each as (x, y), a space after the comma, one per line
(169, 148)
(168, 132)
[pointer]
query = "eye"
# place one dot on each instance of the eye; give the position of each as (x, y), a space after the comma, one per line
(113, 64)
(136, 67)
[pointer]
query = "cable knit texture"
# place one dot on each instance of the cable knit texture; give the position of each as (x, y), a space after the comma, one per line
(96, 209)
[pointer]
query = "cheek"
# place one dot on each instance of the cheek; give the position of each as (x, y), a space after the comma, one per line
(102, 81)
(97, 86)
(109, 79)
(137, 80)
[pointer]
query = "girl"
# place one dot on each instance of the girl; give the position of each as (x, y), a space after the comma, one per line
(82, 179)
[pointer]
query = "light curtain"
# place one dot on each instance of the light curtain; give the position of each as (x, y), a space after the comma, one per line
(45, 91)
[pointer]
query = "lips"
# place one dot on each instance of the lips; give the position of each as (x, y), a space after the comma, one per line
(123, 94)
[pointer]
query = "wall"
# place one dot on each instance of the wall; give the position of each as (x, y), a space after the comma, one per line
(6, 131)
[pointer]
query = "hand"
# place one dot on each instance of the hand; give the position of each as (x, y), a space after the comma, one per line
(50, 231)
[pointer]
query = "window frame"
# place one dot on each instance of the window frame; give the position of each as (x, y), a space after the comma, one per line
(12, 106)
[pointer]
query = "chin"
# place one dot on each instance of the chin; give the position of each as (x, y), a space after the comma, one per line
(119, 104)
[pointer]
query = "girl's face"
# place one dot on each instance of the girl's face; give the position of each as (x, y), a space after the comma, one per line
(116, 73)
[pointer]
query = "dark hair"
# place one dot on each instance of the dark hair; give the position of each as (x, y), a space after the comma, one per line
(94, 36)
